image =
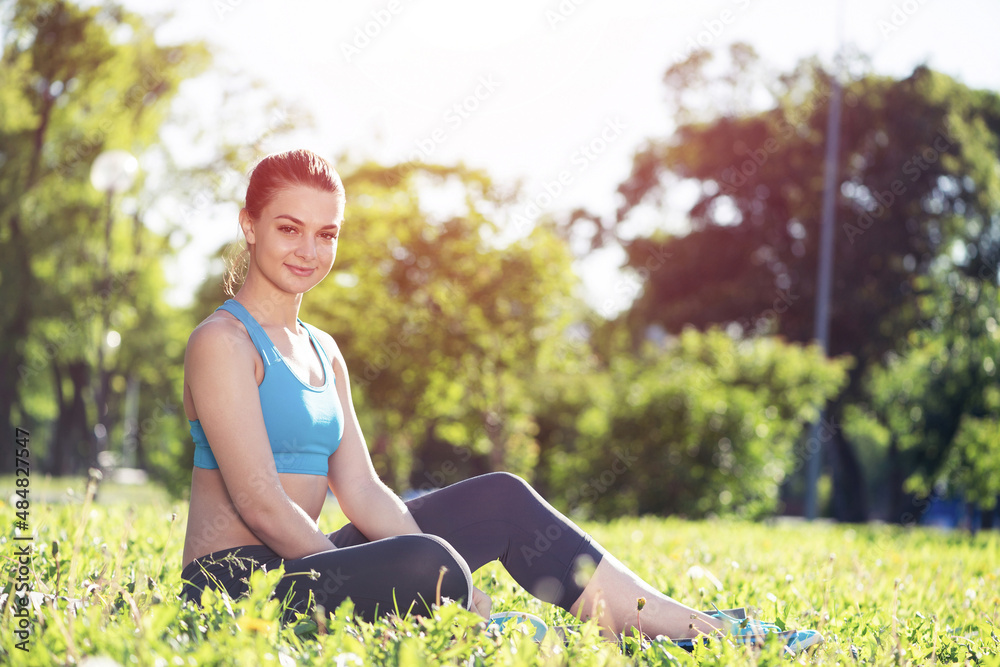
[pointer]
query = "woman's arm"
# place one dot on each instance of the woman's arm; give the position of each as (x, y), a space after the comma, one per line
(367, 502)
(219, 371)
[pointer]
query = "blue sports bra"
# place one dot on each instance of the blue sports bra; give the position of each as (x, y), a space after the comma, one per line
(304, 423)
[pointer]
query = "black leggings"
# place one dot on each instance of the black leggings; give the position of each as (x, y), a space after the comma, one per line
(465, 525)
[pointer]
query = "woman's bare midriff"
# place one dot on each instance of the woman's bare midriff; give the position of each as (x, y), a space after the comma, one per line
(213, 522)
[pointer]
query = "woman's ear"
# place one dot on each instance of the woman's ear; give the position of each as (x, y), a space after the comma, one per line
(246, 224)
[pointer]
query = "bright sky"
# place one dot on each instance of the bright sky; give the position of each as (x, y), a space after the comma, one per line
(534, 81)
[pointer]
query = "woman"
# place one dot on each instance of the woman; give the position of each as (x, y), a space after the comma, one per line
(272, 395)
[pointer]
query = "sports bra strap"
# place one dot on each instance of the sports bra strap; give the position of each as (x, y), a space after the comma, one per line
(259, 337)
(318, 345)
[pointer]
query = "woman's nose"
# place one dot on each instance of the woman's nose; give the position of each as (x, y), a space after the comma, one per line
(307, 248)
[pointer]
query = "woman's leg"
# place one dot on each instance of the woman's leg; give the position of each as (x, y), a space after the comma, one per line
(498, 516)
(611, 597)
(403, 570)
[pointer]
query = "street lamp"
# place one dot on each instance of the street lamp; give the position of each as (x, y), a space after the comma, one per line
(112, 172)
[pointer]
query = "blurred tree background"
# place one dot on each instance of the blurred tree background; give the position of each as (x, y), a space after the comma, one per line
(76, 81)
(917, 252)
(469, 351)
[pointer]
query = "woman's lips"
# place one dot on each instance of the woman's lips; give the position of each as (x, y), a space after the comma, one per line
(300, 271)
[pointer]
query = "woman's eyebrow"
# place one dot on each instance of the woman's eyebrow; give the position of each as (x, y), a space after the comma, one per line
(299, 222)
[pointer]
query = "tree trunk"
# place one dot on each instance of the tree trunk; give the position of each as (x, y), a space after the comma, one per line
(9, 363)
(59, 437)
(898, 503)
(988, 518)
(17, 294)
(850, 495)
(71, 433)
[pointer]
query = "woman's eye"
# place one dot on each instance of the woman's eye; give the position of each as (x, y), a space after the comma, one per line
(286, 229)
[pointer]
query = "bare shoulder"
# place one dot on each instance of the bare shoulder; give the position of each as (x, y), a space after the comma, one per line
(219, 341)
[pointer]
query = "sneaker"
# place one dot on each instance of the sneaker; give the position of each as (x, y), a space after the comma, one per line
(741, 629)
(756, 633)
(535, 626)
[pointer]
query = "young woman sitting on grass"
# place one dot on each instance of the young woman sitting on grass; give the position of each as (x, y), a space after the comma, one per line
(269, 402)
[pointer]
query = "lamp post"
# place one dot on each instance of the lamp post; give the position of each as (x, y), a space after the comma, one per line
(824, 272)
(112, 172)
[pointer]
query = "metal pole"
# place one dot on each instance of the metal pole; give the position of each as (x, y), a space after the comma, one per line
(103, 381)
(814, 445)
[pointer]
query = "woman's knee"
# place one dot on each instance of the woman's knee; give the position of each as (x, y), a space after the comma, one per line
(506, 485)
(432, 561)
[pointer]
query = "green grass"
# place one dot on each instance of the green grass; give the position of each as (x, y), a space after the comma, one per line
(880, 595)
(47, 489)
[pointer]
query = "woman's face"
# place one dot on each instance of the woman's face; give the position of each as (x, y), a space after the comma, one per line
(295, 240)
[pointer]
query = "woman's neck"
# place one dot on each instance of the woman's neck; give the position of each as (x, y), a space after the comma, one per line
(268, 305)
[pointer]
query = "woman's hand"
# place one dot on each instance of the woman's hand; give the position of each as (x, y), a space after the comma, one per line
(481, 603)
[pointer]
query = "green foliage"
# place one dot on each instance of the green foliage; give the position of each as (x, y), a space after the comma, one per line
(939, 397)
(105, 578)
(705, 425)
(917, 216)
(75, 264)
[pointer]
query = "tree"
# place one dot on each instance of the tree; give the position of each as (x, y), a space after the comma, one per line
(917, 179)
(702, 425)
(939, 401)
(75, 81)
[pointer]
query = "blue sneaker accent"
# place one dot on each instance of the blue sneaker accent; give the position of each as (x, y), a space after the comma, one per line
(803, 639)
(500, 620)
(755, 633)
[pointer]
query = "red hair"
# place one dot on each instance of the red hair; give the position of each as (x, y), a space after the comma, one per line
(271, 175)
